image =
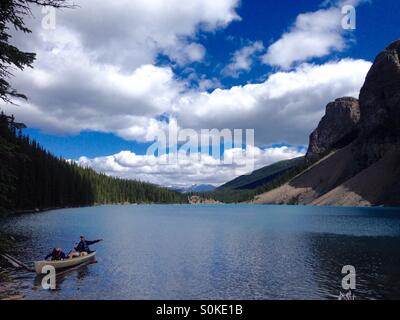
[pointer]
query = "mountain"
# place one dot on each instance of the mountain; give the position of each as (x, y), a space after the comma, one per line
(356, 147)
(339, 125)
(262, 176)
(201, 188)
(195, 188)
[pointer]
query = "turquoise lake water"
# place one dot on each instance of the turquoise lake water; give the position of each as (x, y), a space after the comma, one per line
(211, 252)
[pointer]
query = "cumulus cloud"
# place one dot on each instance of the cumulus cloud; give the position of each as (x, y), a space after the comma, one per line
(98, 66)
(133, 32)
(188, 170)
(192, 52)
(68, 92)
(284, 108)
(242, 59)
(313, 35)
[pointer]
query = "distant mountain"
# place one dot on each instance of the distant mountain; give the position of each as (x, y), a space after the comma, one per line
(201, 188)
(354, 154)
(262, 176)
(196, 188)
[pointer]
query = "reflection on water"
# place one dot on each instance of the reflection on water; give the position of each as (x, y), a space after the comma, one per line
(213, 252)
(79, 273)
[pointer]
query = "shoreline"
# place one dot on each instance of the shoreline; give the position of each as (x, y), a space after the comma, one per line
(36, 211)
(41, 210)
(6, 240)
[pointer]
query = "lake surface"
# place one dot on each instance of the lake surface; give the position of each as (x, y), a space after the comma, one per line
(211, 252)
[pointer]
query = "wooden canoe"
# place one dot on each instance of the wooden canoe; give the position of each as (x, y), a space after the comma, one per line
(64, 264)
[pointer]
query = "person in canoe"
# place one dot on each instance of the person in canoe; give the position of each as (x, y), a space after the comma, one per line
(56, 255)
(82, 248)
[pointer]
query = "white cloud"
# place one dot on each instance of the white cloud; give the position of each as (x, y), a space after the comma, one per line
(97, 70)
(192, 52)
(313, 35)
(284, 108)
(187, 171)
(130, 33)
(133, 32)
(69, 93)
(242, 59)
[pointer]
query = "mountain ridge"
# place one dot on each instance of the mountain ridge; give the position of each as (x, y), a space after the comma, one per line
(195, 188)
(261, 176)
(364, 170)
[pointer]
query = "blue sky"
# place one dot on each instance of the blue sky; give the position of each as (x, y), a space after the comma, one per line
(94, 94)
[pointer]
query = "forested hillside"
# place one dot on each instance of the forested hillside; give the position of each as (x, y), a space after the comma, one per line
(245, 188)
(262, 176)
(32, 178)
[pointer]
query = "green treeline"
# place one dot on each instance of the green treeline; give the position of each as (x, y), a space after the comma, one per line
(31, 177)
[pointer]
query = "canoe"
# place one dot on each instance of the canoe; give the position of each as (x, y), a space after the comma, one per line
(64, 264)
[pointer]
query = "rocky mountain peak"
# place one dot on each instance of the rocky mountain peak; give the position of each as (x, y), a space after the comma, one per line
(380, 108)
(340, 121)
(380, 95)
(365, 168)
(375, 116)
